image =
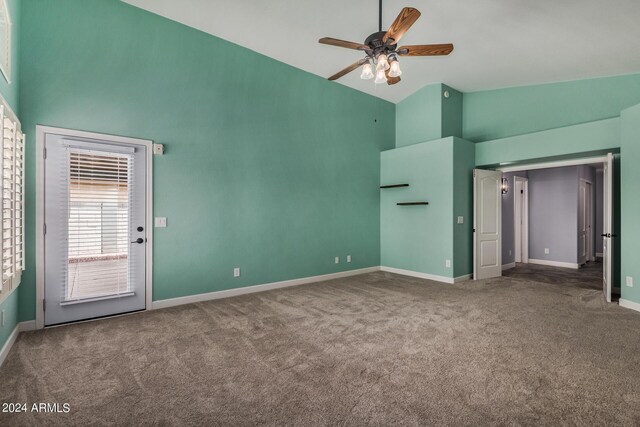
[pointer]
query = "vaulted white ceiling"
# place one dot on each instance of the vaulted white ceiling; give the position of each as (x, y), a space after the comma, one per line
(498, 43)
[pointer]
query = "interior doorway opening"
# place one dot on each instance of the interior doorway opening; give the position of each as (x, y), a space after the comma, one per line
(556, 225)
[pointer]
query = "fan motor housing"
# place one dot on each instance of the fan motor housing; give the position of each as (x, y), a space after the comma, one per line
(374, 41)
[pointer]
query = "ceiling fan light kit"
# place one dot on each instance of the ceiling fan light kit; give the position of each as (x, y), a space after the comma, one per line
(381, 49)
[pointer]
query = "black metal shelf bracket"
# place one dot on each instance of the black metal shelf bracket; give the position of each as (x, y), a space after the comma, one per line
(394, 186)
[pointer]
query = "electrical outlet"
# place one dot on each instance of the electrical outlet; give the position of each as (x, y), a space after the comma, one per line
(337, 260)
(447, 263)
(460, 220)
(161, 222)
(236, 272)
(630, 281)
(546, 251)
(348, 258)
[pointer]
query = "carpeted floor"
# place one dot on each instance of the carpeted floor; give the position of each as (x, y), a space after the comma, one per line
(375, 349)
(589, 276)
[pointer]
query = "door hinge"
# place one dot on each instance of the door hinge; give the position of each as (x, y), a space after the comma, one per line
(44, 229)
(521, 191)
(44, 304)
(44, 153)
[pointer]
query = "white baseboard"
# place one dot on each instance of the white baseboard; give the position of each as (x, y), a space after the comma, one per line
(462, 278)
(599, 255)
(419, 275)
(258, 288)
(20, 327)
(29, 325)
(629, 304)
(508, 266)
(554, 263)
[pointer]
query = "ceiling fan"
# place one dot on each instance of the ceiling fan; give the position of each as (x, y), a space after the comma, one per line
(381, 48)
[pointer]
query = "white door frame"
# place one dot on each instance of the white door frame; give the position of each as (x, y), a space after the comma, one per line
(521, 230)
(41, 131)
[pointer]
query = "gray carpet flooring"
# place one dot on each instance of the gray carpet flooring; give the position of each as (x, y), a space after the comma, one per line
(375, 349)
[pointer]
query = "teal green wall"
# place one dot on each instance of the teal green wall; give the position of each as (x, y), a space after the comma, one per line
(418, 238)
(463, 165)
(451, 113)
(630, 202)
(9, 91)
(427, 115)
(419, 116)
(583, 138)
(501, 113)
(267, 168)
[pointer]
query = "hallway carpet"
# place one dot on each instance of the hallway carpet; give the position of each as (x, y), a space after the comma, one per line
(375, 349)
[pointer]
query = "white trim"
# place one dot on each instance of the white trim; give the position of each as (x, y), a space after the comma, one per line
(258, 288)
(6, 348)
(599, 255)
(41, 131)
(556, 164)
(463, 278)
(554, 263)
(508, 266)
(419, 275)
(20, 327)
(629, 304)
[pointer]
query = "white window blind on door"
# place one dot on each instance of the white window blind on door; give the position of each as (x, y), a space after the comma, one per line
(12, 200)
(99, 192)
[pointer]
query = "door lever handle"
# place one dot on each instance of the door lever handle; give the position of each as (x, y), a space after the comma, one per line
(139, 240)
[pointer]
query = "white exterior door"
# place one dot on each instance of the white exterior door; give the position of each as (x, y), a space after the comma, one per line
(607, 229)
(487, 224)
(95, 222)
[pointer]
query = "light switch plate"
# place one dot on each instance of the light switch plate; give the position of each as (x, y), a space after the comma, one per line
(236, 272)
(460, 220)
(161, 222)
(630, 281)
(546, 251)
(447, 263)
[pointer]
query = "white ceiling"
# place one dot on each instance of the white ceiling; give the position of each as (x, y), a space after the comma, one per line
(498, 43)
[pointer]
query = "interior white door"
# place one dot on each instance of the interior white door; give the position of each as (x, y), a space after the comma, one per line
(583, 233)
(487, 224)
(607, 228)
(95, 222)
(521, 219)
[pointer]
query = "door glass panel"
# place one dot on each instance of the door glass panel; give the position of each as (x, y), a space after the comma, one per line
(98, 224)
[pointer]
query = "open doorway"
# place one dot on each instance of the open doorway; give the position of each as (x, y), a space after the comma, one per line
(556, 222)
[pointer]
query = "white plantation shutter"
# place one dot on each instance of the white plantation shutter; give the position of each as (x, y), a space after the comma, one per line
(12, 200)
(98, 184)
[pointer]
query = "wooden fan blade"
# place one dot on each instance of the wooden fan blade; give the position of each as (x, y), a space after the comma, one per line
(391, 80)
(342, 43)
(347, 70)
(403, 22)
(426, 50)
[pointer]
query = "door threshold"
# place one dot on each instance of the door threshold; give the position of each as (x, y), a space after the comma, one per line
(107, 316)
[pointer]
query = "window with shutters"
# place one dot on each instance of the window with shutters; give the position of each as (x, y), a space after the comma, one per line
(12, 189)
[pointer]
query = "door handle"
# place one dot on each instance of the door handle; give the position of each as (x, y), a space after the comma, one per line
(139, 240)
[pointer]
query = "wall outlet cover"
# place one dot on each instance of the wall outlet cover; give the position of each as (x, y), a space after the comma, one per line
(348, 258)
(337, 260)
(546, 251)
(160, 222)
(460, 220)
(447, 263)
(629, 281)
(236, 272)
